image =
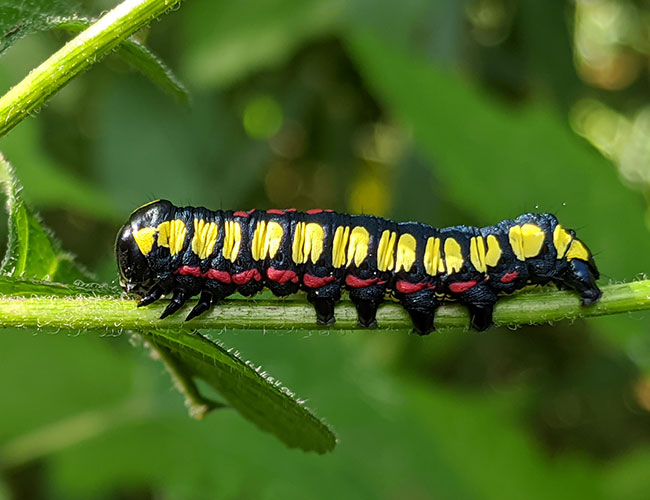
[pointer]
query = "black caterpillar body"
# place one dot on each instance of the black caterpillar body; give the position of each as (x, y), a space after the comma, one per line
(186, 251)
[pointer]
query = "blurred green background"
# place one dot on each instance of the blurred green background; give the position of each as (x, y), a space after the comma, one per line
(441, 111)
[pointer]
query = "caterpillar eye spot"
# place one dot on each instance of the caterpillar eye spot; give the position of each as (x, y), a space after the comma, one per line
(166, 249)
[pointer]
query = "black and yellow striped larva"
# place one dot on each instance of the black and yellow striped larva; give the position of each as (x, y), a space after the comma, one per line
(185, 251)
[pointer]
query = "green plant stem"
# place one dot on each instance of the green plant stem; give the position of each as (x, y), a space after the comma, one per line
(76, 56)
(87, 313)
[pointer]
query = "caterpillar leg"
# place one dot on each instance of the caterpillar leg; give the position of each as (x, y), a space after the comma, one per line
(480, 301)
(184, 287)
(323, 299)
(422, 320)
(152, 296)
(366, 313)
(324, 308)
(204, 303)
(480, 317)
(421, 306)
(178, 300)
(367, 300)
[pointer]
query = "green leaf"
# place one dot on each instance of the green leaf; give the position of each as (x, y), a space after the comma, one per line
(259, 398)
(18, 19)
(32, 251)
(140, 58)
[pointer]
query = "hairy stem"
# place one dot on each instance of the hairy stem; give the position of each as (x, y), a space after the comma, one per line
(76, 56)
(87, 313)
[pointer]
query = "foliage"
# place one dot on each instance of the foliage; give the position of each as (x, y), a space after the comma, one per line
(445, 112)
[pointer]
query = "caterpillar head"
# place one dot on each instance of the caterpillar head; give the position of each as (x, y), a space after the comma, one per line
(135, 241)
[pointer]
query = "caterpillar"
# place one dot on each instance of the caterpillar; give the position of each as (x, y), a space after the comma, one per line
(188, 251)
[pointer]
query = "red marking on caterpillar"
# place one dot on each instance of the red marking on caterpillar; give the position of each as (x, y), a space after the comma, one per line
(242, 214)
(222, 276)
(212, 274)
(291, 210)
(355, 282)
(281, 275)
(314, 211)
(509, 277)
(275, 211)
(190, 271)
(316, 281)
(245, 276)
(406, 287)
(462, 286)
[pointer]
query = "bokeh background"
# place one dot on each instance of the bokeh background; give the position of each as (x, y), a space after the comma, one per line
(440, 111)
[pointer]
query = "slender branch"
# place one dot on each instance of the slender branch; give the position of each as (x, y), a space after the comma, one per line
(88, 313)
(76, 56)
